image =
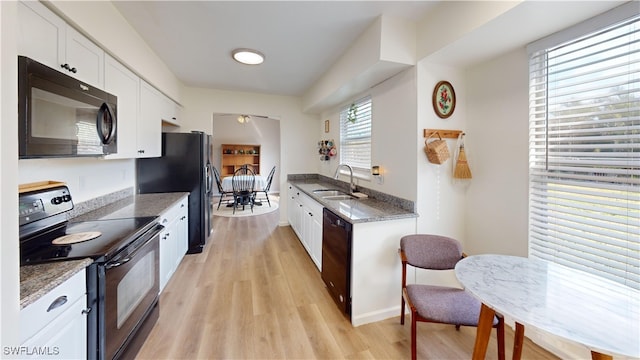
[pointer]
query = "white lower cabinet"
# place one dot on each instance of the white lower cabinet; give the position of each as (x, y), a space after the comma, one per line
(305, 217)
(173, 239)
(55, 326)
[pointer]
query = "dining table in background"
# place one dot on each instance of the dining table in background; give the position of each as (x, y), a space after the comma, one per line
(259, 184)
(598, 313)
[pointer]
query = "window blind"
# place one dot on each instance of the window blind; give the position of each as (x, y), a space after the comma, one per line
(584, 147)
(355, 137)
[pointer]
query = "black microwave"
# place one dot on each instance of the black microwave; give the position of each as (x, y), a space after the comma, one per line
(60, 116)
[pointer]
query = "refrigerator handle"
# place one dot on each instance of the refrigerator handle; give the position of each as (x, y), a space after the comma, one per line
(207, 170)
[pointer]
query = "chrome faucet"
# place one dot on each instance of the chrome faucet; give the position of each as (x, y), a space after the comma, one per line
(352, 185)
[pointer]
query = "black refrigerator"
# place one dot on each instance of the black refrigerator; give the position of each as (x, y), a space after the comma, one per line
(185, 165)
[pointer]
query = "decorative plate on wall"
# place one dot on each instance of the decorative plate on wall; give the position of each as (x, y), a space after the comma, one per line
(444, 99)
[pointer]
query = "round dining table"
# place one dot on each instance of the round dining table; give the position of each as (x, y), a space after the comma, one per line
(598, 313)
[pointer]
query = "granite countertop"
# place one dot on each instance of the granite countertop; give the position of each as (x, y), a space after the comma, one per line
(135, 206)
(377, 207)
(37, 280)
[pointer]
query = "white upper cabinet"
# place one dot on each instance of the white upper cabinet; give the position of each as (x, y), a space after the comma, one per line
(150, 121)
(41, 34)
(46, 38)
(123, 83)
(170, 111)
(85, 57)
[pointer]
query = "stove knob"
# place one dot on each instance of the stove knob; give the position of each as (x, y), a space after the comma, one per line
(56, 200)
(66, 198)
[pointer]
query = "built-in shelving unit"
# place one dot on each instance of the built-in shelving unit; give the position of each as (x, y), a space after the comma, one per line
(236, 155)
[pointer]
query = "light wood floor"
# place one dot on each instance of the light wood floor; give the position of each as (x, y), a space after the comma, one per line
(255, 294)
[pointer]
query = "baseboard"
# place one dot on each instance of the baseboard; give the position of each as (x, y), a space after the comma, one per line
(375, 316)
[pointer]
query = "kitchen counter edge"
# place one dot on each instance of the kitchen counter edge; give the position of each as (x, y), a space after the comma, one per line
(383, 210)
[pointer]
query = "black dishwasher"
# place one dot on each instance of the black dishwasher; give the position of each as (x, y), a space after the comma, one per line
(336, 259)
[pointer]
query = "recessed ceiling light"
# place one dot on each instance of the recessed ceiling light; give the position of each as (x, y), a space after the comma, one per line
(247, 56)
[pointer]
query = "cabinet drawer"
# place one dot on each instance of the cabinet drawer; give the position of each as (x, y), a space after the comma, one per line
(174, 212)
(36, 316)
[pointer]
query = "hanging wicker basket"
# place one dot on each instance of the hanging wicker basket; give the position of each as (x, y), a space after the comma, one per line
(437, 150)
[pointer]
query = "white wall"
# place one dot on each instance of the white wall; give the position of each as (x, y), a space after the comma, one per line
(87, 178)
(258, 131)
(297, 130)
(9, 259)
(441, 203)
(393, 129)
(498, 127)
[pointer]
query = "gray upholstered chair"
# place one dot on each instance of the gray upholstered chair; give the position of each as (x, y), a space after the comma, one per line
(438, 304)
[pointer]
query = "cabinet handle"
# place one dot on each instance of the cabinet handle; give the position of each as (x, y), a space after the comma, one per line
(85, 311)
(182, 218)
(61, 300)
(69, 68)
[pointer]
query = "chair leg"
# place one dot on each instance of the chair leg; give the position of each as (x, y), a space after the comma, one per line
(401, 310)
(414, 351)
(268, 202)
(220, 202)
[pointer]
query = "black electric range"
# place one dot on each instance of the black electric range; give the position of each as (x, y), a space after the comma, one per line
(123, 280)
(97, 239)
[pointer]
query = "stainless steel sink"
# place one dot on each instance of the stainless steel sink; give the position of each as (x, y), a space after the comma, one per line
(333, 194)
(329, 192)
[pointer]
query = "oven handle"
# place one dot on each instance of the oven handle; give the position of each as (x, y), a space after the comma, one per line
(115, 264)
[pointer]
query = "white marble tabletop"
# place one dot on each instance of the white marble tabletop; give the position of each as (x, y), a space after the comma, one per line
(596, 312)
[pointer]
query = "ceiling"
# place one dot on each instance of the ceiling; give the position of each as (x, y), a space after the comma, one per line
(302, 39)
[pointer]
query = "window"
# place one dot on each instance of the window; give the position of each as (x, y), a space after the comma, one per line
(584, 150)
(355, 135)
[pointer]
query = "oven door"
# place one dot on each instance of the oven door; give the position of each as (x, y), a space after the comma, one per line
(130, 291)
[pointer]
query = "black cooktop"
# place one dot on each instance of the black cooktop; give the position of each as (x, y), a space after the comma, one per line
(114, 235)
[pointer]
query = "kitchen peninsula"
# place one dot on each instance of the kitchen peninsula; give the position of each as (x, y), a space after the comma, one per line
(376, 222)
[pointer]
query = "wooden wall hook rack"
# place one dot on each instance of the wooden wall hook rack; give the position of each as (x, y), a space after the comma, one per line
(445, 134)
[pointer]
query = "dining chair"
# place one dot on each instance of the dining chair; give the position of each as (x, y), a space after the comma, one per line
(266, 188)
(438, 304)
(243, 181)
(249, 166)
(228, 195)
